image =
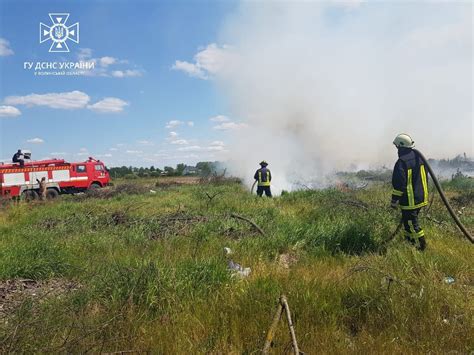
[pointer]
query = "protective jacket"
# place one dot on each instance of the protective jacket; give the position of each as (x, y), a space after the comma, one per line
(409, 180)
(263, 176)
(17, 157)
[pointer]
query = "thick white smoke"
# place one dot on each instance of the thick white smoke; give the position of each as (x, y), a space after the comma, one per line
(326, 86)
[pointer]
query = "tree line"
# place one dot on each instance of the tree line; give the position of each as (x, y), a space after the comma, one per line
(204, 168)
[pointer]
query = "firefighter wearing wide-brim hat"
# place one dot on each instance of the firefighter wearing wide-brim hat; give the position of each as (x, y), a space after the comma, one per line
(263, 176)
(410, 188)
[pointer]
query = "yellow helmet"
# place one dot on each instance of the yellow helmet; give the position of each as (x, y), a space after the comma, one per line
(403, 140)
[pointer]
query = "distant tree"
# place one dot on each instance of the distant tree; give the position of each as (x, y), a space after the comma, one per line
(119, 172)
(205, 168)
(169, 170)
(180, 169)
(130, 177)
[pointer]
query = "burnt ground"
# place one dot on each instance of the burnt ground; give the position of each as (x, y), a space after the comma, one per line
(16, 291)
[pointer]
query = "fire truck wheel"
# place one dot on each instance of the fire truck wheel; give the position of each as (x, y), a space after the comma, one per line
(29, 195)
(94, 186)
(52, 194)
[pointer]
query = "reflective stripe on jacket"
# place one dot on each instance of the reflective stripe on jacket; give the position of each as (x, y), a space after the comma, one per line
(263, 176)
(409, 181)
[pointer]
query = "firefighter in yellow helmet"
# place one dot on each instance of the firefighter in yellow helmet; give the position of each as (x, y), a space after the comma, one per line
(263, 177)
(410, 188)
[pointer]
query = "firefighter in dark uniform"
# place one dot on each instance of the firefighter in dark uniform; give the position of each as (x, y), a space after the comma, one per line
(18, 158)
(410, 189)
(263, 177)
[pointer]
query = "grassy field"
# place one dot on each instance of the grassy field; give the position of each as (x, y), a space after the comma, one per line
(146, 271)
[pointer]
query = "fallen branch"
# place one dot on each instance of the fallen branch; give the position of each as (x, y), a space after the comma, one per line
(211, 197)
(260, 230)
(282, 305)
(432, 219)
(284, 301)
(273, 328)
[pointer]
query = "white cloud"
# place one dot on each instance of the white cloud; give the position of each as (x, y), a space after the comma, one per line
(189, 68)
(173, 134)
(180, 142)
(197, 148)
(65, 100)
(192, 148)
(84, 53)
(58, 154)
(106, 61)
(219, 118)
(5, 49)
(103, 65)
(230, 126)
(35, 141)
(215, 148)
(207, 62)
(9, 111)
(109, 105)
(126, 73)
(217, 143)
(190, 123)
(83, 152)
(145, 142)
(173, 124)
(106, 155)
(134, 151)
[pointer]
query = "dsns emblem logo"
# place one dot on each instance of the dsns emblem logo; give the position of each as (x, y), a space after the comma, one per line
(59, 32)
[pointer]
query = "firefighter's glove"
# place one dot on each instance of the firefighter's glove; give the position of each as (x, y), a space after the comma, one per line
(394, 204)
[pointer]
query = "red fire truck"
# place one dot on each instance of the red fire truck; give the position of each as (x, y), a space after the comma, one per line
(61, 177)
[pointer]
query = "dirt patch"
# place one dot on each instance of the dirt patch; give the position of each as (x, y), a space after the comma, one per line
(178, 223)
(286, 260)
(112, 191)
(5, 202)
(14, 292)
(465, 199)
(178, 180)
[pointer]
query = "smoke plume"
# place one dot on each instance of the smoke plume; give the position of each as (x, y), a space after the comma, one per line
(327, 86)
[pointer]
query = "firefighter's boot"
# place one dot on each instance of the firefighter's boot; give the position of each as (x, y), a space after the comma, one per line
(422, 242)
(410, 240)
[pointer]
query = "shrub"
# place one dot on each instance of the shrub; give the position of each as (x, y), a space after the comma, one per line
(130, 177)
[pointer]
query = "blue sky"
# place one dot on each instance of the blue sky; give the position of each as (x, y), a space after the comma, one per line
(241, 81)
(134, 45)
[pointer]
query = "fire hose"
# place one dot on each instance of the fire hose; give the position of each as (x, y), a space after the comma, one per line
(441, 193)
(253, 186)
(445, 200)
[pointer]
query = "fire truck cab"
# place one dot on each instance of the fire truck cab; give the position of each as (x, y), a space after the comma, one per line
(61, 177)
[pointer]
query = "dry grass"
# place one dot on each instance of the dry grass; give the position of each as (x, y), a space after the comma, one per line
(154, 277)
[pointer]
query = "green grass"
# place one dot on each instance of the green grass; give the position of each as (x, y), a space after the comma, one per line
(151, 284)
